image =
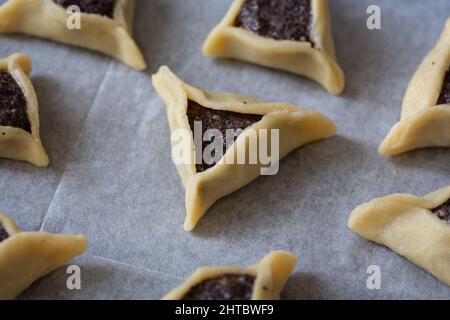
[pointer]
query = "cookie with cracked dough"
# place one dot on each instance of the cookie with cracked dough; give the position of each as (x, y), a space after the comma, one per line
(263, 281)
(105, 26)
(417, 228)
(248, 119)
(291, 35)
(19, 113)
(425, 118)
(28, 256)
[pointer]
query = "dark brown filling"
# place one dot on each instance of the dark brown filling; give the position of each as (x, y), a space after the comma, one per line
(277, 19)
(225, 287)
(443, 211)
(101, 7)
(3, 233)
(13, 105)
(444, 96)
(221, 120)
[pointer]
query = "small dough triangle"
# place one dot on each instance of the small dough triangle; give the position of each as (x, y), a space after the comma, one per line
(303, 46)
(19, 113)
(49, 20)
(425, 119)
(28, 256)
(296, 127)
(417, 228)
(263, 281)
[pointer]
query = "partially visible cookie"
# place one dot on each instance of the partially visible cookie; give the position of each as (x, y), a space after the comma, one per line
(425, 119)
(417, 228)
(19, 113)
(264, 281)
(105, 26)
(28, 256)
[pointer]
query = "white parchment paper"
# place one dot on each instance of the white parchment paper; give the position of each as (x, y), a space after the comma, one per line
(112, 179)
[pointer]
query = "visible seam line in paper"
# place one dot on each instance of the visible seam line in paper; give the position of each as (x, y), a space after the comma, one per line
(133, 266)
(108, 69)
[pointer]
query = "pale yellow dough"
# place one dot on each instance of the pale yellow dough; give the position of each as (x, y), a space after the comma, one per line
(46, 19)
(423, 123)
(317, 63)
(405, 224)
(16, 143)
(297, 126)
(271, 273)
(27, 256)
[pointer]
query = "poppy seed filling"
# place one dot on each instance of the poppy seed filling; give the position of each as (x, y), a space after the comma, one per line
(443, 211)
(277, 19)
(13, 105)
(444, 96)
(101, 7)
(220, 120)
(3, 233)
(224, 287)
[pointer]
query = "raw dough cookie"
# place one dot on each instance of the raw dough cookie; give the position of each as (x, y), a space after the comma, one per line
(264, 281)
(19, 114)
(48, 19)
(292, 35)
(205, 184)
(416, 228)
(27, 256)
(425, 120)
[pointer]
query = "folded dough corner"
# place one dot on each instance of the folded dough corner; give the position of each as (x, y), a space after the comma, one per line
(204, 186)
(48, 20)
(28, 256)
(425, 119)
(293, 36)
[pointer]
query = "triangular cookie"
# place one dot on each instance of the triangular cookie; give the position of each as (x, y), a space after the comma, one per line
(220, 110)
(414, 227)
(264, 281)
(292, 35)
(19, 114)
(105, 27)
(27, 256)
(425, 120)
